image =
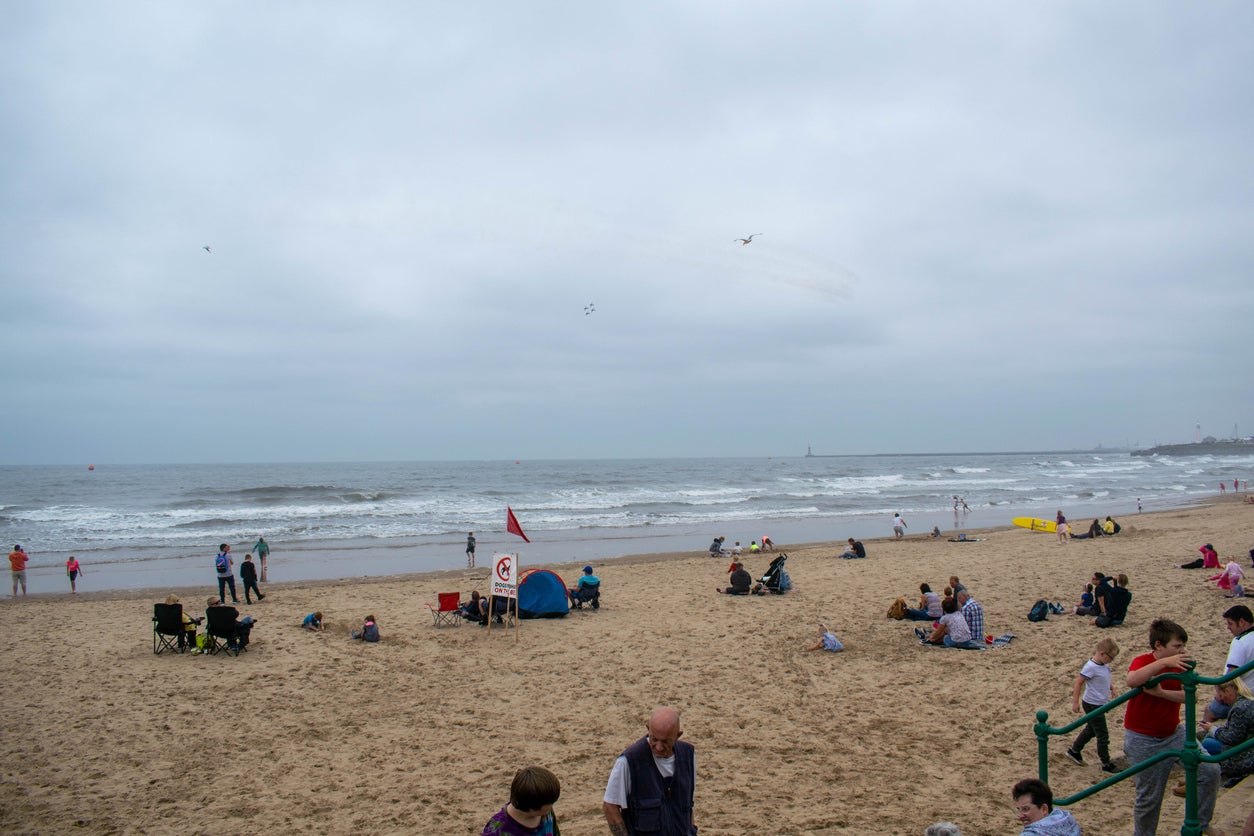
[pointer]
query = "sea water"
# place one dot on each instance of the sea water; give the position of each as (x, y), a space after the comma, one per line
(139, 526)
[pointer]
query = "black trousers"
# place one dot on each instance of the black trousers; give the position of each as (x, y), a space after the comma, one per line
(1095, 727)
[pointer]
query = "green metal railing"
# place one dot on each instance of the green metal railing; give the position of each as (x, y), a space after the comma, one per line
(1190, 756)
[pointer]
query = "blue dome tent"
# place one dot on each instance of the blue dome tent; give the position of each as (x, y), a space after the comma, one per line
(542, 594)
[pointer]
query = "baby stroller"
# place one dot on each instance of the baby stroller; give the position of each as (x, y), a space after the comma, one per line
(776, 580)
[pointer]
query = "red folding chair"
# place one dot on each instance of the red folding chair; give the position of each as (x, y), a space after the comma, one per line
(447, 609)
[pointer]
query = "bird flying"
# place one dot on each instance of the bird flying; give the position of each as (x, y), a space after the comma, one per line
(589, 309)
(206, 248)
(744, 241)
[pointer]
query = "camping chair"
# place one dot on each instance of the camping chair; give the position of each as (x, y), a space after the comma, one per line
(167, 628)
(590, 595)
(448, 609)
(220, 631)
(501, 610)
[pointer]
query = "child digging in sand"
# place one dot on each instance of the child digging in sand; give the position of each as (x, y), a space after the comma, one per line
(827, 641)
(369, 631)
(1094, 680)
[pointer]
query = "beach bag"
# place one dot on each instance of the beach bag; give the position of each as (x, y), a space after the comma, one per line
(222, 564)
(204, 642)
(1039, 611)
(897, 609)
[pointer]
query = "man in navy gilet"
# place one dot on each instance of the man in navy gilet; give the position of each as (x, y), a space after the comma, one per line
(651, 786)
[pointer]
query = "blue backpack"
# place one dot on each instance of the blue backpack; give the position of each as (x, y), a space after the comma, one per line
(222, 564)
(1039, 611)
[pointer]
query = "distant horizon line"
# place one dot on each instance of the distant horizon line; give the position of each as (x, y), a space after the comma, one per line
(520, 460)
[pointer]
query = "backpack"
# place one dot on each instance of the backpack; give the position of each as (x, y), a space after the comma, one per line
(1039, 611)
(897, 609)
(223, 565)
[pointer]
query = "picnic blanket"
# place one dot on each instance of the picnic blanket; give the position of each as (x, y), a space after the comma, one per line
(996, 644)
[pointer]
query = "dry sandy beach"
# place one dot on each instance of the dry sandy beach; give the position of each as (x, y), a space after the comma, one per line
(422, 732)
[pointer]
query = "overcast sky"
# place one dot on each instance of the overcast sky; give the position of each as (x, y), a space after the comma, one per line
(983, 226)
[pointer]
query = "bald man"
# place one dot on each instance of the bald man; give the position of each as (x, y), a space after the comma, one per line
(652, 783)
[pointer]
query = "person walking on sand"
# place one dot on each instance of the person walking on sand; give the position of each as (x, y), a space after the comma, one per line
(899, 527)
(17, 568)
(262, 550)
(1060, 526)
(1093, 683)
(248, 574)
(656, 775)
(226, 574)
(72, 571)
(470, 549)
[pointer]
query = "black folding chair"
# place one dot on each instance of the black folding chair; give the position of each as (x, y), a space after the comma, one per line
(589, 594)
(167, 628)
(221, 630)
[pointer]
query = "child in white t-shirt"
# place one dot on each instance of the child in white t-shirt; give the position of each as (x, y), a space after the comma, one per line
(1094, 680)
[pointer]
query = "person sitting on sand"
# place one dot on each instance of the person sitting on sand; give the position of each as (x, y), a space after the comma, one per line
(1117, 604)
(188, 639)
(472, 610)
(1208, 560)
(951, 630)
(243, 626)
(1095, 530)
(716, 548)
(1234, 694)
(929, 605)
(1110, 528)
(369, 631)
(936, 532)
(1101, 592)
(956, 587)
(973, 614)
(855, 551)
(1230, 578)
(741, 581)
(827, 641)
(1087, 605)
(313, 622)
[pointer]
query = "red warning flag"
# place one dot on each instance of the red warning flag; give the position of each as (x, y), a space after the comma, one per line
(512, 526)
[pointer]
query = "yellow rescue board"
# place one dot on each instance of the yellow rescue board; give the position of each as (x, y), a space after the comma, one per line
(1035, 524)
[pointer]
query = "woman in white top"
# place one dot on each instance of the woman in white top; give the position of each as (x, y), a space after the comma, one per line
(929, 606)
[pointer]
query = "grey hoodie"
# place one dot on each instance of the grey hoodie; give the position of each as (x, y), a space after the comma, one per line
(1057, 823)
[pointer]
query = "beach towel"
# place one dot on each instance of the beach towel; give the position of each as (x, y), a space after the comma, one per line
(990, 643)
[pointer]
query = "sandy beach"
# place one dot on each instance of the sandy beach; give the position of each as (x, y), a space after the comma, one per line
(422, 732)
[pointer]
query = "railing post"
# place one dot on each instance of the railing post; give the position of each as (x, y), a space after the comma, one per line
(1189, 758)
(1042, 744)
